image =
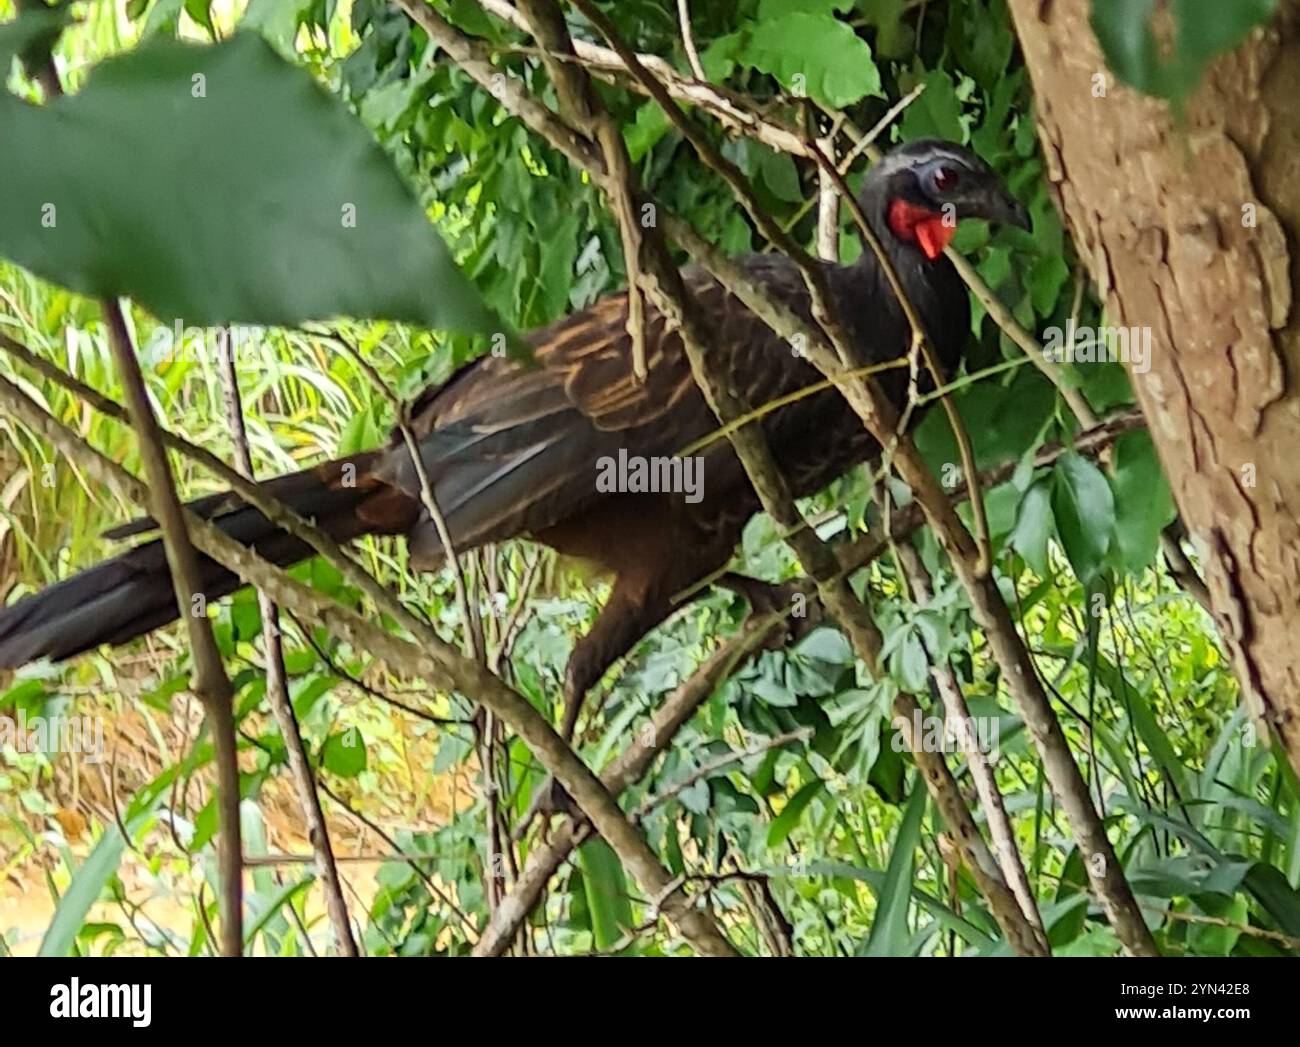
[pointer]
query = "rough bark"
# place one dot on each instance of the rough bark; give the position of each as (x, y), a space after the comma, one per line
(1161, 215)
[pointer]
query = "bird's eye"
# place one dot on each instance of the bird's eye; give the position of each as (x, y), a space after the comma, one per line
(946, 178)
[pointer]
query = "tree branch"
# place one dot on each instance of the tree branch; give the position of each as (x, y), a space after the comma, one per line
(209, 678)
(277, 692)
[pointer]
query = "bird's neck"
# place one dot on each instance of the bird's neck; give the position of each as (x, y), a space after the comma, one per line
(930, 282)
(912, 235)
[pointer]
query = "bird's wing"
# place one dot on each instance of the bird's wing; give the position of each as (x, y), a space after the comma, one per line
(513, 450)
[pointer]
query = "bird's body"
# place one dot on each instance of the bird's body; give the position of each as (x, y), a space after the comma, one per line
(514, 450)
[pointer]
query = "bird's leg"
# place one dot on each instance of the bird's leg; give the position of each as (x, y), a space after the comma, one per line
(634, 608)
(797, 600)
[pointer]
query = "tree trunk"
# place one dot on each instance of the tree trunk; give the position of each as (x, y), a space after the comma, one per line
(1188, 229)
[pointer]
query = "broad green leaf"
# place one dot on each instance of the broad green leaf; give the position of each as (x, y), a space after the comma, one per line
(344, 753)
(221, 185)
(1085, 514)
(776, 8)
(163, 18)
(304, 694)
(23, 696)
(1004, 421)
(937, 113)
(779, 174)
(1203, 29)
(1123, 29)
(1143, 503)
(814, 55)
(277, 20)
(894, 36)
(650, 125)
(910, 665)
(1214, 939)
(1034, 526)
(827, 645)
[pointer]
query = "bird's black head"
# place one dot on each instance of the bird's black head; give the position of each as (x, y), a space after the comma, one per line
(920, 191)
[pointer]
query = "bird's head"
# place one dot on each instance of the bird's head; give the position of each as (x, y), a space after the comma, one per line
(920, 191)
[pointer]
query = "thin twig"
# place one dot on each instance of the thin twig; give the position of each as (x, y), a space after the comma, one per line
(688, 39)
(470, 621)
(277, 689)
(958, 712)
(209, 678)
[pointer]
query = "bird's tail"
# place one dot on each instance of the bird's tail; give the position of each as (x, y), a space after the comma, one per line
(131, 594)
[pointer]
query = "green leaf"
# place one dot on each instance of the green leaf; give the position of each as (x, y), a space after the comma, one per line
(221, 185)
(1144, 505)
(937, 113)
(87, 884)
(345, 753)
(889, 933)
(1148, 727)
(1203, 29)
(784, 823)
(23, 696)
(779, 174)
(1085, 514)
(650, 125)
(1124, 31)
(163, 18)
(1004, 421)
(606, 890)
(827, 645)
(559, 252)
(307, 693)
(92, 875)
(909, 665)
(277, 20)
(815, 55)
(1034, 526)
(1207, 28)
(284, 896)
(894, 36)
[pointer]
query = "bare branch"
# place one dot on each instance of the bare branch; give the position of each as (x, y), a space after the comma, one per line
(277, 692)
(627, 768)
(209, 678)
(958, 712)
(688, 39)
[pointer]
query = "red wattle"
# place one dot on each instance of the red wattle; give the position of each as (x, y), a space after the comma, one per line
(921, 226)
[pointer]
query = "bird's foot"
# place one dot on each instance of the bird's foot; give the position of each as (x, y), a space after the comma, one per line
(796, 600)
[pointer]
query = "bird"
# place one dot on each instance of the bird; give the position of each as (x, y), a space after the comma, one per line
(547, 449)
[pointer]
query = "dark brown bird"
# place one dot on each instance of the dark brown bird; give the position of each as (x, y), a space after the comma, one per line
(515, 451)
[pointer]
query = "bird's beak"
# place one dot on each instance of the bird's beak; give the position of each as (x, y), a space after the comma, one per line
(1004, 208)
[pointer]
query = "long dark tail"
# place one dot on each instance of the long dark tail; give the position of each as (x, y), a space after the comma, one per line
(132, 594)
